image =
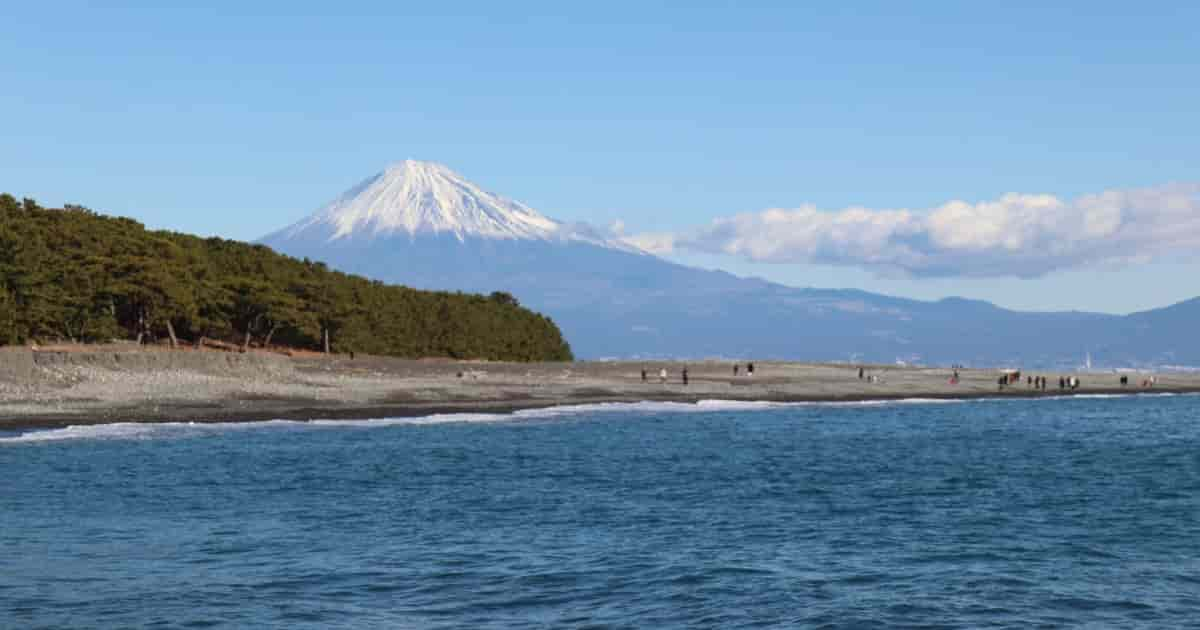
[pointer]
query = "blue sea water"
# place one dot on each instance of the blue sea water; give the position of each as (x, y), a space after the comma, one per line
(987, 514)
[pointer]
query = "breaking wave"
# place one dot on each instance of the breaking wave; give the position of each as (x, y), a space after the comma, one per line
(146, 431)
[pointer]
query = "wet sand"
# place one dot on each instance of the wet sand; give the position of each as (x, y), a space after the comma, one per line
(52, 388)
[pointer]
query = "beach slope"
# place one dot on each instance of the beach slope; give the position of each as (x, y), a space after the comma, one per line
(87, 385)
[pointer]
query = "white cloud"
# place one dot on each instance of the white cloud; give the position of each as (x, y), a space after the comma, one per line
(653, 242)
(1015, 235)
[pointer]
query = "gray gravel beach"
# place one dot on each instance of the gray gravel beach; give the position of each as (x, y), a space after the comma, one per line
(88, 385)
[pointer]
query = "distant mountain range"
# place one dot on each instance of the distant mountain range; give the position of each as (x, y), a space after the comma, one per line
(423, 225)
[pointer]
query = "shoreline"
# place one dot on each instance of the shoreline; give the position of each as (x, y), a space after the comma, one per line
(191, 414)
(104, 385)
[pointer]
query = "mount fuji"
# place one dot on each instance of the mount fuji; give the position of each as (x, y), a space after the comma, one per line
(423, 198)
(423, 225)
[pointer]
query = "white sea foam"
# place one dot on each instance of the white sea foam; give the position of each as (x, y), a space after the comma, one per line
(119, 430)
(1129, 395)
(145, 431)
(415, 420)
(639, 408)
(137, 430)
(646, 407)
(884, 403)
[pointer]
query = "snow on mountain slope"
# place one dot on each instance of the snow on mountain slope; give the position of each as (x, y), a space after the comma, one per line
(424, 226)
(413, 197)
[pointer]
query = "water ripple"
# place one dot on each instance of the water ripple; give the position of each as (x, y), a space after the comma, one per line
(1000, 514)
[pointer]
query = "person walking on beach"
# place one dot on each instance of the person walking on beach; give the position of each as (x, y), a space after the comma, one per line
(643, 374)
(860, 374)
(735, 370)
(685, 375)
(749, 369)
(662, 376)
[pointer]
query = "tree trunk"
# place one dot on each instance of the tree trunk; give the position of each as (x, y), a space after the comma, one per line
(270, 333)
(199, 342)
(325, 334)
(171, 331)
(246, 341)
(141, 326)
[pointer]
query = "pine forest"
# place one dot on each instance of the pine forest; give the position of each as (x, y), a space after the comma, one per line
(72, 275)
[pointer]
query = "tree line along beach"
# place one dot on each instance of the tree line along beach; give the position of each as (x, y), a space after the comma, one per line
(74, 275)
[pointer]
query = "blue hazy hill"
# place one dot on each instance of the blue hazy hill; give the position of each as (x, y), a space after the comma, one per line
(422, 225)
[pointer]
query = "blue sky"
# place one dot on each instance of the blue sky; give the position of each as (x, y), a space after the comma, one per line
(235, 120)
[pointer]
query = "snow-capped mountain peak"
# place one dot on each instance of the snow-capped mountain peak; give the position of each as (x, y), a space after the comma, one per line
(413, 197)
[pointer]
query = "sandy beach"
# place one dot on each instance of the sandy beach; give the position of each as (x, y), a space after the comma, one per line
(88, 385)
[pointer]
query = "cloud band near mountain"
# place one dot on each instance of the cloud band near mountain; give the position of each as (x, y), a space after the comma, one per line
(1016, 235)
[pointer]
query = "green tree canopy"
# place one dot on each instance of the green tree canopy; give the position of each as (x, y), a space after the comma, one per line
(72, 274)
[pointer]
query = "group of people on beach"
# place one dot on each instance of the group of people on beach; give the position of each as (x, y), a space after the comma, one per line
(1037, 382)
(1006, 380)
(870, 378)
(1147, 382)
(663, 375)
(1065, 383)
(749, 369)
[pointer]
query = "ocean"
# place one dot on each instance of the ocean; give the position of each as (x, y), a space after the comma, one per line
(986, 514)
